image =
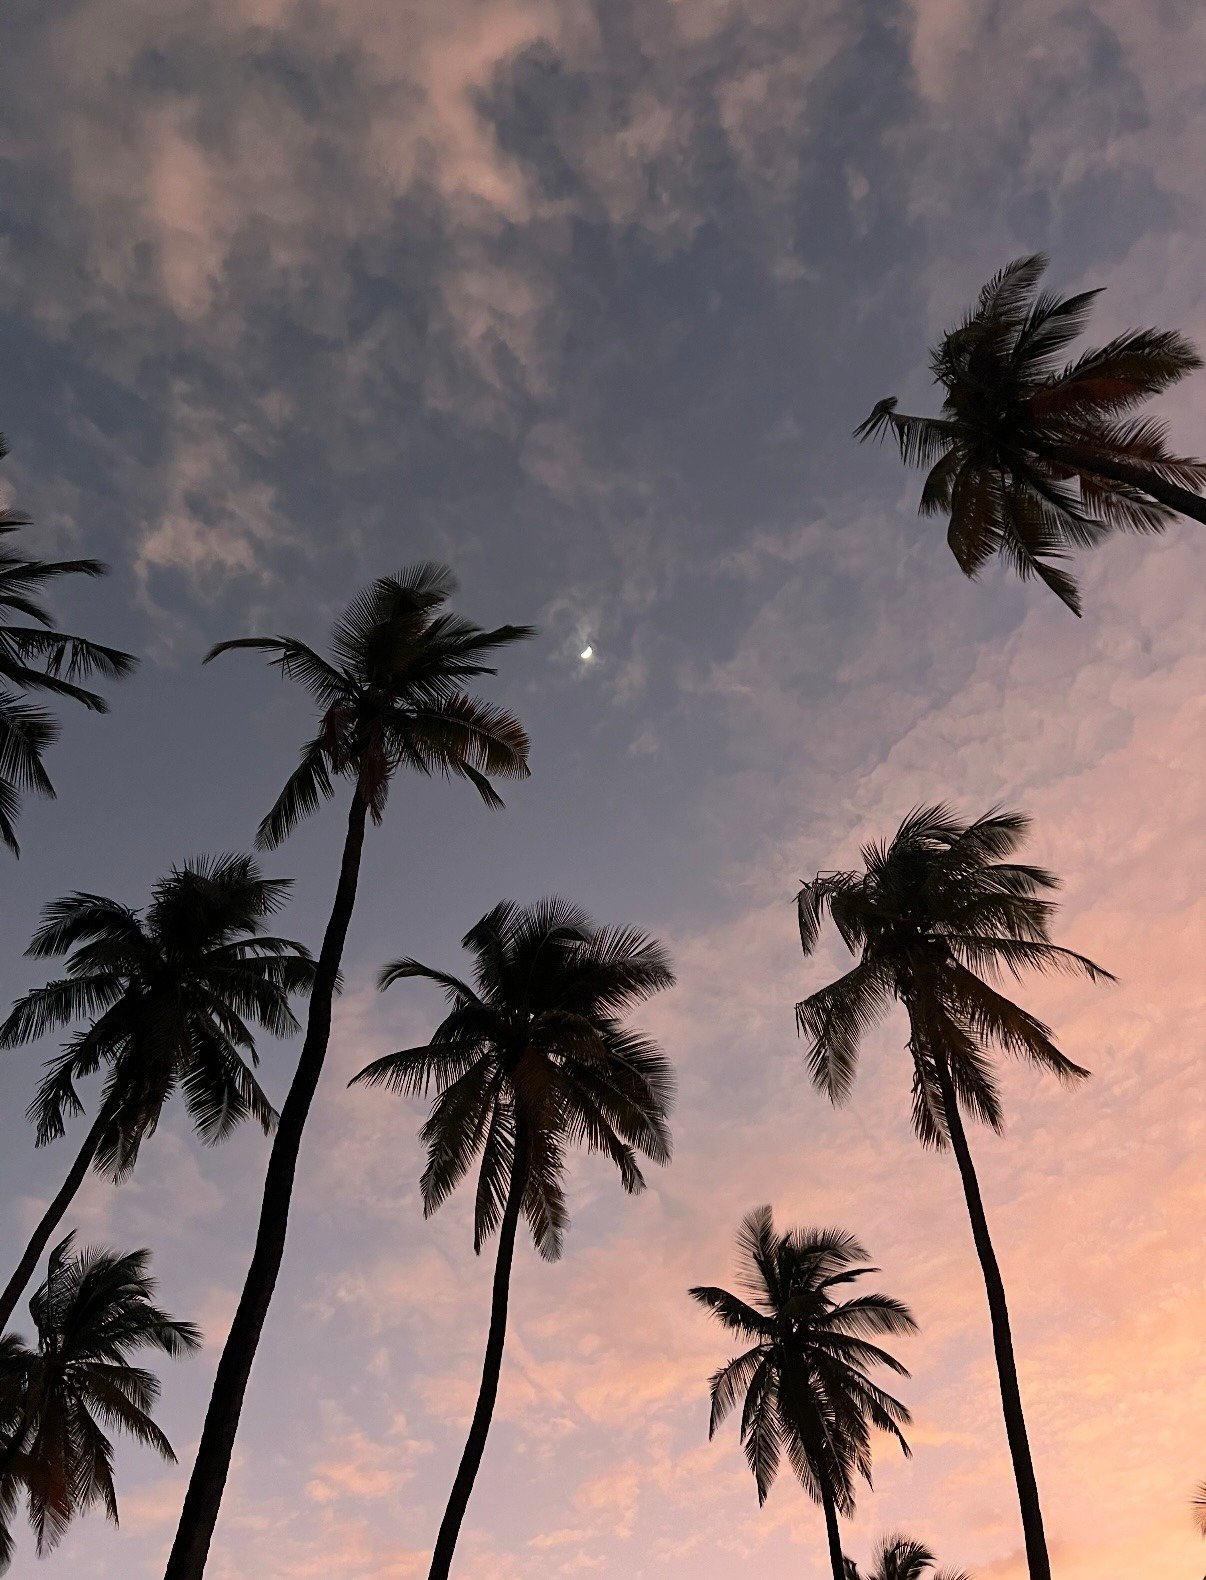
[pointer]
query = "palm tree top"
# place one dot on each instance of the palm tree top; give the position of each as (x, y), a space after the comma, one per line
(537, 1043)
(391, 696)
(92, 1314)
(36, 656)
(805, 1376)
(1033, 456)
(939, 906)
(901, 1558)
(64, 659)
(170, 997)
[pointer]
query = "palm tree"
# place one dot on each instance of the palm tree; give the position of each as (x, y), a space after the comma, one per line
(35, 656)
(803, 1380)
(930, 917)
(1199, 1507)
(390, 698)
(1031, 459)
(899, 1558)
(57, 1400)
(169, 996)
(532, 1059)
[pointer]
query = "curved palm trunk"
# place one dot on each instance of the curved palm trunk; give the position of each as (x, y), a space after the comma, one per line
(1182, 500)
(1037, 1561)
(50, 1220)
(475, 1444)
(204, 1497)
(829, 1504)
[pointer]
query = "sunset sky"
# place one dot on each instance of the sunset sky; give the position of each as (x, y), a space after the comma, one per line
(584, 297)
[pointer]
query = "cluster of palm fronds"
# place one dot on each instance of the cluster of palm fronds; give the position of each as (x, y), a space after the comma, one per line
(1033, 457)
(535, 1055)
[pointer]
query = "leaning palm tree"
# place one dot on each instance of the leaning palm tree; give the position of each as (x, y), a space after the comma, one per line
(391, 698)
(803, 1379)
(900, 1558)
(531, 1059)
(170, 997)
(931, 916)
(1030, 458)
(35, 656)
(57, 1400)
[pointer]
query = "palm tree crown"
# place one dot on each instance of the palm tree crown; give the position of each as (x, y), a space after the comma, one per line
(931, 915)
(171, 996)
(94, 1311)
(36, 656)
(534, 1058)
(803, 1381)
(391, 697)
(1032, 458)
(900, 1558)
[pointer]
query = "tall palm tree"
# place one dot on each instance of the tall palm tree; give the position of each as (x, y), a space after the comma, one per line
(1031, 458)
(171, 996)
(932, 915)
(803, 1380)
(900, 1558)
(94, 1311)
(36, 656)
(532, 1059)
(390, 697)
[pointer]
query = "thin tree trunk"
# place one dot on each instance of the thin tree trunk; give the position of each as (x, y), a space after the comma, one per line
(471, 1458)
(1038, 1563)
(50, 1220)
(829, 1505)
(1182, 500)
(204, 1497)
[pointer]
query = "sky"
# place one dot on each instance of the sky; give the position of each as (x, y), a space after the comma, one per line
(585, 298)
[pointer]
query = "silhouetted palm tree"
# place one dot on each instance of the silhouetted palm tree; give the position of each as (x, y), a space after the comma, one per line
(930, 916)
(532, 1059)
(390, 699)
(172, 995)
(1031, 459)
(803, 1381)
(57, 1400)
(899, 1558)
(35, 656)
(1199, 1507)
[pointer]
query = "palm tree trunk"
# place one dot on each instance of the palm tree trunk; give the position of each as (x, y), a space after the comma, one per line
(50, 1220)
(1182, 500)
(829, 1504)
(1038, 1563)
(471, 1458)
(204, 1496)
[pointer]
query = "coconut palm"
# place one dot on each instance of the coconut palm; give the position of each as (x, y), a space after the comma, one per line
(1199, 1507)
(36, 656)
(390, 698)
(803, 1378)
(900, 1558)
(58, 1400)
(934, 915)
(1030, 458)
(170, 997)
(532, 1059)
